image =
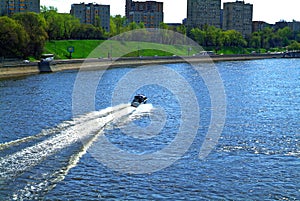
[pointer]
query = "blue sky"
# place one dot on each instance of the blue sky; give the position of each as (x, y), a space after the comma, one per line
(175, 10)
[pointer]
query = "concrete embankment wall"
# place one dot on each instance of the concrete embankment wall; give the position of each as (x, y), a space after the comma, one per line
(15, 70)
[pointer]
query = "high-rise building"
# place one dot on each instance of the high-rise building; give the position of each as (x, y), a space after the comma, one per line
(294, 25)
(9, 7)
(150, 13)
(92, 14)
(238, 16)
(203, 12)
(259, 26)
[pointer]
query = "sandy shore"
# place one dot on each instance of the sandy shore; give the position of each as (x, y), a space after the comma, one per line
(98, 64)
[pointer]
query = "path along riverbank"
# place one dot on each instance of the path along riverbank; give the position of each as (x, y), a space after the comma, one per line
(16, 70)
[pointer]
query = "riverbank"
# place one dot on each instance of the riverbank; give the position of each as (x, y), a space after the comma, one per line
(15, 70)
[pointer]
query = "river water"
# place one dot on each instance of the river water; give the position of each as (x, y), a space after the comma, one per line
(48, 153)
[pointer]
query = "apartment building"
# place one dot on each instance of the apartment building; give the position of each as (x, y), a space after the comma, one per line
(9, 7)
(92, 13)
(150, 13)
(203, 12)
(259, 26)
(238, 16)
(294, 25)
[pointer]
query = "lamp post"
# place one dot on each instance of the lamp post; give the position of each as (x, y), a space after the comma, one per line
(189, 50)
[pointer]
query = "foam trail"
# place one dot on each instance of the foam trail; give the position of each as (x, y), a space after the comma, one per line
(35, 190)
(140, 111)
(63, 126)
(81, 129)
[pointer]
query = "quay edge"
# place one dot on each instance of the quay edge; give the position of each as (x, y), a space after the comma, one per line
(8, 71)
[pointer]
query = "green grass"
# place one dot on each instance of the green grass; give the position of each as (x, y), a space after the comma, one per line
(148, 52)
(104, 49)
(82, 48)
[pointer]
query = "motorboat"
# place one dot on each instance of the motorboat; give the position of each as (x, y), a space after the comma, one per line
(138, 99)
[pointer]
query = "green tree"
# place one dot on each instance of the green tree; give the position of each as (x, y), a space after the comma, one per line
(198, 35)
(294, 46)
(133, 26)
(255, 40)
(285, 35)
(210, 35)
(181, 29)
(141, 25)
(266, 37)
(46, 9)
(59, 25)
(112, 27)
(119, 22)
(54, 23)
(97, 21)
(13, 38)
(163, 25)
(70, 23)
(220, 38)
(166, 36)
(87, 31)
(35, 26)
(233, 38)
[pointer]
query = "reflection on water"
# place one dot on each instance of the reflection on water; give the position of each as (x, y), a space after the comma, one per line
(47, 154)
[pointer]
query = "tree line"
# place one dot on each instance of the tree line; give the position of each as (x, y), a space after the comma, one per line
(267, 39)
(24, 35)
